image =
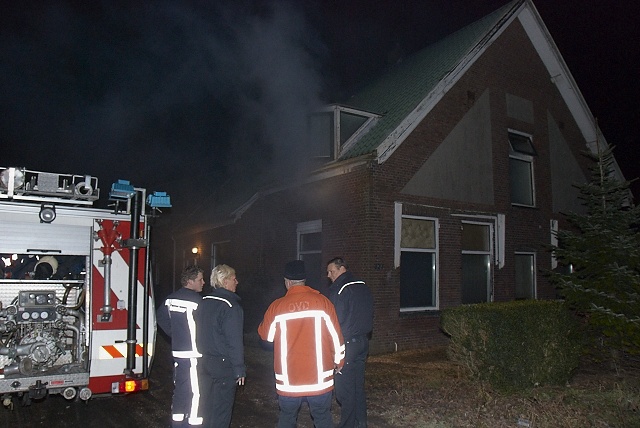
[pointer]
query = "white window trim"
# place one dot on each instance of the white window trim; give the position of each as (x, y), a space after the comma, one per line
(498, 232)
(398, 216)
(336, 109)
(491, 252)
(525, 158)
(529, 160)
(306, 227)
(554, 242)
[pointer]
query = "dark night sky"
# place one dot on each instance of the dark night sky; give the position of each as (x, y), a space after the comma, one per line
(200, 91)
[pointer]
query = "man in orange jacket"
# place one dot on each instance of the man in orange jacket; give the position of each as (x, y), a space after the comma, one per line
(308, 347)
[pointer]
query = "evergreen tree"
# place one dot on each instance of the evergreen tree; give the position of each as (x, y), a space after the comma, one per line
(603, 251)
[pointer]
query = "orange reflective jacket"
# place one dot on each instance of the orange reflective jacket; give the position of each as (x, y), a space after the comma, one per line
(308, 343)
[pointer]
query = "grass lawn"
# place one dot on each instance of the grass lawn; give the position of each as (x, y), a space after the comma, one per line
(424, 389)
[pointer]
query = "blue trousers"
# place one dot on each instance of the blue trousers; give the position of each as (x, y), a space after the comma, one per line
(319, 406)
(186, 393)
(349, 385)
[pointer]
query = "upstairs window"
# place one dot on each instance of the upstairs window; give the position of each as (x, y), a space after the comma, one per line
(335, 129)
(349, 124)
(521, 155)
(321, 131)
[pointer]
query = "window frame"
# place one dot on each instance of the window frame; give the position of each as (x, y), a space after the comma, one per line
(398, 249)
(527, 157)
(338, 144)
(490, 253)
(534, 277)
(306, 228)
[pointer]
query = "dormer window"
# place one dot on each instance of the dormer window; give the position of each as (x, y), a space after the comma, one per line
(335, 129)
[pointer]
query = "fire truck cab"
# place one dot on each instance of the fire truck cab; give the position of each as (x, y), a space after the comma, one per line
(77, 313)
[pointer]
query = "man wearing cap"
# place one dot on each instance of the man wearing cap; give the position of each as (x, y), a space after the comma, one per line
(308, 347)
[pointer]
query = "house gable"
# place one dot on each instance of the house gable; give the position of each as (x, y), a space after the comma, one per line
(461, 167)
(565, 172)
(409, 92)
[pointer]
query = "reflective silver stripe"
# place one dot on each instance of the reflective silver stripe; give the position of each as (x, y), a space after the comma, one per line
(186, 354)
(319, 316)
(349, 283)
(195, 398)
(304, 388)
(179, 305)
(187, 307)
(221, 299)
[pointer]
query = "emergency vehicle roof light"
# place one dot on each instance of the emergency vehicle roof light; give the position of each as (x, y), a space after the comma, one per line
(121, 191)
(159, 200)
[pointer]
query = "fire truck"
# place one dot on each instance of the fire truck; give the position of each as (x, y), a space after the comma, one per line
(77, 314)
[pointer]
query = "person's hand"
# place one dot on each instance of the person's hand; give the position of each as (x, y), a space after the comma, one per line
(240, 381)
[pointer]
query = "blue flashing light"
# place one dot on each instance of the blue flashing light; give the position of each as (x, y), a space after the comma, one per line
(159, 200)
(121, 190)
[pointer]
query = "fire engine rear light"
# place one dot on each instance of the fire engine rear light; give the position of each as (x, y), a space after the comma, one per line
(129, 386)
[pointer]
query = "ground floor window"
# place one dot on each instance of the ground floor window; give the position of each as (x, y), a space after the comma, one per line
(417, 280)
(476, 262)
(310, 251)
(417, 256)
(219, 253)
(525, 265)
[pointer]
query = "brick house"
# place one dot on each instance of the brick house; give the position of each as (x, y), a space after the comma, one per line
(440, 183)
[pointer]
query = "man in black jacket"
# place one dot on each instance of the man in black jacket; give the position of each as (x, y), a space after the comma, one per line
(220, 321)
(354, 307)
(177, 318)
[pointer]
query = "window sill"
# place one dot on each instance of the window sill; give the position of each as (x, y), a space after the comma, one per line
(431, 312)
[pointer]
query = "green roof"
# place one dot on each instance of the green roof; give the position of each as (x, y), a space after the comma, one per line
(396, 94)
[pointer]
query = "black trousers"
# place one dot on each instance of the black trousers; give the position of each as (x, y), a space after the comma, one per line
(349, 385)
(217, 391)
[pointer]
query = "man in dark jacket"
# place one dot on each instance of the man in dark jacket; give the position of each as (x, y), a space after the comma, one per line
(177, 318)
(354, 306)
(220, 321)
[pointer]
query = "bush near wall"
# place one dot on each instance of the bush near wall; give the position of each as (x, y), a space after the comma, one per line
(514, 345)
